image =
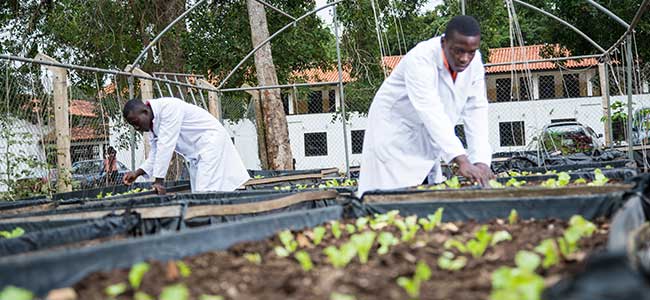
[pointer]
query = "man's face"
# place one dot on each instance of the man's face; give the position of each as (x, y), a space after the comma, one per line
(460, 49)
(140, 120)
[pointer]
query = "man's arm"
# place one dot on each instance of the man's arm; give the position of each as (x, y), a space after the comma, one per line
(475, 118)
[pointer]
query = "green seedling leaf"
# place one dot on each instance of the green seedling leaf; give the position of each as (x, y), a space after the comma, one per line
(318, 234)
(599, 178)
(361, 223)
(411, 286)
(383, 220)
(513, 182)
(527, 260)
(15, 293)
(495, 184)
(513, 217)
(139, 295)
(550, 183)
(115, 289)
(363, 243)
(563, 179)
(339, 296)
(99, 196)
(438, 187)
(453, 183)
(432, 220)
(477, 246)
(548, 248)
(336, 229)
(580, 181)
(305, 261)
(211, 297)
(16, 232)
(584, 227)
(447, 262)
(500, 236)
(175, 292)
(287, 240)
(453, 243)
(514, 173)
(350, 228)
(340, 257)
(281, 251)
(386, 240)
(609, 167)
(137, 273)
(184, 269)
(256, 258)
(514, 283)
(422, 271)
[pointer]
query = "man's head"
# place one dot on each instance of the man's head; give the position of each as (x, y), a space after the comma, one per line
(138, 114)
(462, 39)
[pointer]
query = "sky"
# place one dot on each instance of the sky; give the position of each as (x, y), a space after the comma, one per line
(326, 14)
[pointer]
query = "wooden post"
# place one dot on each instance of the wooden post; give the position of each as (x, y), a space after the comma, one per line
(61, 124)
(146, 90)
(604, 91)
(214, 103)
(261, 133)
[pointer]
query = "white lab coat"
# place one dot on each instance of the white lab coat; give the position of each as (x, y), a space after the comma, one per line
(412, 120)
(195, 134)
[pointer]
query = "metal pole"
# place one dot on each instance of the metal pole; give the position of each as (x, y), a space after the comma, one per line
(462, 7)
(609, 107)
(341, 94)
(637, 18)
(609, 13)
(628, 58)
(132, 131)
(276, 9)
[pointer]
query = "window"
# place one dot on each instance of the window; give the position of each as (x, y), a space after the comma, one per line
(285, 103)
(503, 89)
(316, 144)
(571, 85)
(563, 120)
(357, 141)
(84, 152)
(524, 89)
(315, 102)
(460, 133)
(332, 104)
(546, 87)
(512, 134)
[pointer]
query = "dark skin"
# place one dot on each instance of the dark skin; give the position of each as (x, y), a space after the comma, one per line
(140, 119)
(460, 50)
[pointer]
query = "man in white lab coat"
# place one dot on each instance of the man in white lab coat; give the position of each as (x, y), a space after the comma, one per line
(436, 84)
(192, 132)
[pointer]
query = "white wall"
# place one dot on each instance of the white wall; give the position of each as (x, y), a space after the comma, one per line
(28, 147)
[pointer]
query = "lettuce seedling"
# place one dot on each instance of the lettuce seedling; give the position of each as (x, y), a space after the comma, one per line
(408, 227)
(175, 292)
(336, 229)
(412, 285)
(386, 240)
(478, 245)
(453, 243)
(361, 223)
(599, 178)
(527, 260)
(584, 227)
(563, 179)
(305, 261)
(432, 220)
(287, 240)
(383, 220)
(140, 295)
(578, 228)
(500, 236)
(340, 258)
(254, 258)
(548, 248)
(184, 269)
(549, 183)
(317, 234)
(513, 182)
(516, 283)
(363, 242)
(11, 292)
(137, 273)
(453, 183)
(350, 228)
(514, 173)
(580, 181)
(447, 262)
(339, 296)
(115, 290)
(16, 232)
(211, 297)
(495, 184)
(513, 217)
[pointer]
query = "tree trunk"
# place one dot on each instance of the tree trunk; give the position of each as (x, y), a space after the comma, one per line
(275, 122)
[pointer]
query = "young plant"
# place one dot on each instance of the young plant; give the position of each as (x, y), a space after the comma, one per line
(408, 227)
(513, 217)
(580, 181)
(520, 283)
(175, 292)
(336, 229)
(140, 295)
(361, 223)
(548, 248)
(599, 178)
(447, 262)
(500, 236)
(15, 293)
(289, 245)
(432, 221)
(386, 240)
(549, 183)
(412, 285)
(479, 244)
(317, 234)
(495, 184)
(254, 258)
(513, 182)
(350, 228)
(305, 261)
(16, 232)
(363, 243)
(563, 179)
(453, 183)
(383, 220)
(137, 273)
(339, 296)
(115, 290)
(454, 243)
(578, 228)
(340, 257)
(184, 269)
(211, 297)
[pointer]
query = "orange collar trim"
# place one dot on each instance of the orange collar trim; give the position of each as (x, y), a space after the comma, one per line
(451, 72)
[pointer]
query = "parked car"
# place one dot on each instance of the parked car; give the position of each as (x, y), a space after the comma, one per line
(641, 127)
(89, 174)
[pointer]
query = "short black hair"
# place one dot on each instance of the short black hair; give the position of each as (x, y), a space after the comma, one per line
(131, 106)
(465, 25)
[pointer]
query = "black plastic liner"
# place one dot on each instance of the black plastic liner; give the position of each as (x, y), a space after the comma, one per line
(114, 189)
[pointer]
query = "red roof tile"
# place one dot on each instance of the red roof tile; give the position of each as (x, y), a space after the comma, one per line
(80, 133)
(82, 108)
(506, 55)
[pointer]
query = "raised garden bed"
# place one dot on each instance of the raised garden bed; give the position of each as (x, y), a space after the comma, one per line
(255, 270)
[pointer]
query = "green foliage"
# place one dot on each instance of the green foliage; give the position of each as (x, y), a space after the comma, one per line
(211, 297)
(175, 292)
(599, 178)
(516, 283)
(336, 229)
(386, 240)
(350, 228)
(412, 285)
(287, 240)
(548, 248)
(408, 227)
(140, 295)
(16, 232)
(580, 181)
(527, 260)
(549, 183)
(15, 293)
(563, 179)
(305, 261)
(447, 261)
(363, 243)
(361, 223)
(454, 243)
(578, 228)
(513, 182)
(254, 258)
(453, 183)
(432, 221)
(317, 234)
(479, 244)
(383, 220)
(495, 184)
(340, 257)
(137, 273)
(339, 296)
(183, 269)
(513, 217)
(500, 236)
(115, 290)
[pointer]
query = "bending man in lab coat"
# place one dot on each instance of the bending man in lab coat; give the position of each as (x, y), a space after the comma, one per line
(436, 84)
(192, 132)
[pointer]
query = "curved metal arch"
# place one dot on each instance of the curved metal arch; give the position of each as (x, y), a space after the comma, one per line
(609, 13)
(293, 23)
(565, 23)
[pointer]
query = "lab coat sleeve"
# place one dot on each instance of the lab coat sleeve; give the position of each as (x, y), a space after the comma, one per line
(421, 78)
(475, 118)
(171, 119)
(147, 166)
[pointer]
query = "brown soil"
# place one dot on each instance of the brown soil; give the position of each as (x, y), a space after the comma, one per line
(229, 274)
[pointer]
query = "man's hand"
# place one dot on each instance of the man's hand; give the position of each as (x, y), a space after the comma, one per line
(159, 187)
(476, 173)
(130, 177)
